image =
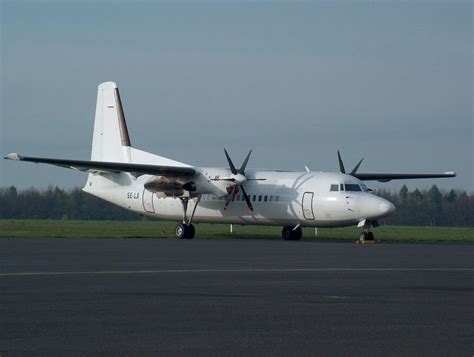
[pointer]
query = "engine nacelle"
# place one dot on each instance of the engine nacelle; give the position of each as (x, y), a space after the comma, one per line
(163, 186)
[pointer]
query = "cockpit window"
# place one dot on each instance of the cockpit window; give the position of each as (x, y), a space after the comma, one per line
(342, 186)
(334, 187)
(352, 187)
(364, 187)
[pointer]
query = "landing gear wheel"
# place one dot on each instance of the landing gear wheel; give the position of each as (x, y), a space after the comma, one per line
(184, 231)
(363, 236)
(297, 234)
(289, 233)
(370, 236)
(191, 232)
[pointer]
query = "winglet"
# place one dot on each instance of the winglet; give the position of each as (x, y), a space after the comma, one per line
(13, 156)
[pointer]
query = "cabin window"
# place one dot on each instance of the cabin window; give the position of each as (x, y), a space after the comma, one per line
(342, 187)
(254, 198)
(271, 198)
(334, 187)
(277, 198)
(260, 198)
(265, 198)
(352, 187)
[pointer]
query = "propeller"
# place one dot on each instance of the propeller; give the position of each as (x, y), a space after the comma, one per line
(341, 165)
(238, 178)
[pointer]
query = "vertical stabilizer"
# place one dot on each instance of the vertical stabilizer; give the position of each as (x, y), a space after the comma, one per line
(111, 141)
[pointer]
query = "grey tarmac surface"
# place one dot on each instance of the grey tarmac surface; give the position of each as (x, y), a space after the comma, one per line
(234, 297)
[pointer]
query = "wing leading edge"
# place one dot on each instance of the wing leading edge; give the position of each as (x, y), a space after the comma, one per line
(389, 177)
(104, 166)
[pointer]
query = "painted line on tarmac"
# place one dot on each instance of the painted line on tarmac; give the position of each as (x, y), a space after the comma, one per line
(249, 270)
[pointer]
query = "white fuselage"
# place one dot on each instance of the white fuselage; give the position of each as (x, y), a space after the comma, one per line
(283, 198)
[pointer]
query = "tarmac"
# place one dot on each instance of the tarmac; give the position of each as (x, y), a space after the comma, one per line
(234, 297)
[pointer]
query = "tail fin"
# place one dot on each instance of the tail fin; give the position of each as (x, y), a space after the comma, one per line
(111, 141)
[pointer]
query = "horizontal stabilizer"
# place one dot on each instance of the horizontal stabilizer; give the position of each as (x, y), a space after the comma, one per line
(104, 166)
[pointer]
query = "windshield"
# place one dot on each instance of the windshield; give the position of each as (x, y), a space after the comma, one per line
(352, 187)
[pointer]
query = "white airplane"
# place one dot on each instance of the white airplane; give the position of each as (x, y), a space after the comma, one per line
(170, 190)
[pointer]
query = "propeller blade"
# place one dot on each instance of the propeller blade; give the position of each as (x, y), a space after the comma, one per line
(247, 199)
(231, 196)
(223, 179)
(244, 165)
(341, 164)
(354, 170)
(231, 164)
(255, 179)
(226, 204)
(234, 193)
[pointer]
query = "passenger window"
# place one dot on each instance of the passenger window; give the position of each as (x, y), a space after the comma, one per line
(334, 188)
(342, 187)
(254, 198)
(265, 198)
(260, 198)
(271, 198)
(277, 198)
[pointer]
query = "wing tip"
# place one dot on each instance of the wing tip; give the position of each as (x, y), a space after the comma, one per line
(451, 173)
(13, 156)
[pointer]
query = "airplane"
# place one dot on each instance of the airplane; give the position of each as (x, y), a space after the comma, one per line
(159, 187)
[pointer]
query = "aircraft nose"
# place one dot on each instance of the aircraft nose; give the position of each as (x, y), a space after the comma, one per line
(386, 207)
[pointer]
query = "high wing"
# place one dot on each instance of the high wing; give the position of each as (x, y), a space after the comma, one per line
(105, 166)
(389, 177)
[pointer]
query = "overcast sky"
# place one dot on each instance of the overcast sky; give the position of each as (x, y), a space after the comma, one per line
(389, 81)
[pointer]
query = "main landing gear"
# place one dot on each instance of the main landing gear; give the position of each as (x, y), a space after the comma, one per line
(292, 232)
(186, 230)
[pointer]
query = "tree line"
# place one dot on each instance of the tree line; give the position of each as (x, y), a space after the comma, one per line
(418, 207)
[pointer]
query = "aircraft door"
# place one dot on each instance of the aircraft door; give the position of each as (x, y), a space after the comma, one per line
(148, 201)
(308, 205)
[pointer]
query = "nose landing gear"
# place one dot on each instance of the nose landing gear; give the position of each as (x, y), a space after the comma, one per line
(367, 236)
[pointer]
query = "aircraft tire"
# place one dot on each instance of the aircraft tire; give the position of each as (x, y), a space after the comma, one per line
(184, 231)
(180, 231)
(362, 236)
(191, 231)
(288, 233)
(297, 234)
(370, 236)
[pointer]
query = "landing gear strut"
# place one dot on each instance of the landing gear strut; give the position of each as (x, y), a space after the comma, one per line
(186, 230)
(292, 233)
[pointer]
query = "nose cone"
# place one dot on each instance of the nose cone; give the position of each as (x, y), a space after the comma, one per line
(386, 208)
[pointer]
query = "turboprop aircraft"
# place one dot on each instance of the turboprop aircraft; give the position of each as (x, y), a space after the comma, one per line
(159, 187)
